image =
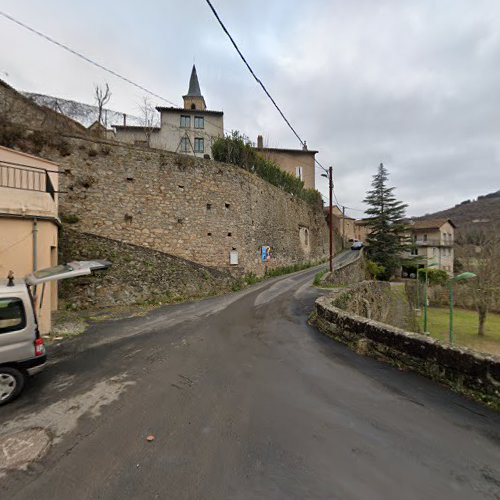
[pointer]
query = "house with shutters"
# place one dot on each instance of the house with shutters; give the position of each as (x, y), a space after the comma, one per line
(190, 130)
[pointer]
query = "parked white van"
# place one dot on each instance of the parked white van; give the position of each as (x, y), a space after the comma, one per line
(22, 351)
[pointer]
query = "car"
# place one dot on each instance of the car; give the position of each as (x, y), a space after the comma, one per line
(356, 245)
(22, 351)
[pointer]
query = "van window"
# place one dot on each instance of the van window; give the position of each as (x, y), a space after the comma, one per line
(12, 315)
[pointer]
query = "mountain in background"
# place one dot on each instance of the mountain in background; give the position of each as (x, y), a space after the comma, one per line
(86, 114)
(482, 212)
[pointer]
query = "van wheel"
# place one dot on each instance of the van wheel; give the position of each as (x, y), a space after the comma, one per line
(11, 383)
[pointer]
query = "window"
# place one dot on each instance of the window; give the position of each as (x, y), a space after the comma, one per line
(199, 145)
(425, 237)
(185, 121)
(184, 145)
(12, 316)
(199, 122)
(299, 173)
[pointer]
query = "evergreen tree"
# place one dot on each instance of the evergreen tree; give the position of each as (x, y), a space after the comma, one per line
(385, 240)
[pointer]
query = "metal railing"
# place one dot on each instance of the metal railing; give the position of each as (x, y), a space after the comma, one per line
(25, 178)
(433, 243)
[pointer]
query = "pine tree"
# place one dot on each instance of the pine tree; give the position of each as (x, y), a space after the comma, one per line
(384, 242)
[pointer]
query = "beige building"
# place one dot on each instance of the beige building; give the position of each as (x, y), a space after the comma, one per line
(432, 242)
(29, 222)
(190, 130)
(297, 162)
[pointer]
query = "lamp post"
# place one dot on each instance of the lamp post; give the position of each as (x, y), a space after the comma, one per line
(459, 277)
(329, 176)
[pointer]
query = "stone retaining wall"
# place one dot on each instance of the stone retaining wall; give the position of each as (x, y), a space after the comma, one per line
(461, 369)
(352, 272)
(137, 275)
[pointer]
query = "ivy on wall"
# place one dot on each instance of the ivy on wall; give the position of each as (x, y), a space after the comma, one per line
(237, 150)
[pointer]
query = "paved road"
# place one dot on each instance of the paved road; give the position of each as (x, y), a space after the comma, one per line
(245, 401)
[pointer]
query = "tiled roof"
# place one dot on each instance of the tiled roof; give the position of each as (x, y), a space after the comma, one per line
(429, 223)
(285, 150)
(191, 111)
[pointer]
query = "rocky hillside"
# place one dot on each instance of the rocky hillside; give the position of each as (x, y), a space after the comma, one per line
(481, 212)
(86, 114)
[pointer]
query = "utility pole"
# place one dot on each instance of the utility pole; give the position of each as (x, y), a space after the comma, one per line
(330, 185)
(330, 214)
(343, 227)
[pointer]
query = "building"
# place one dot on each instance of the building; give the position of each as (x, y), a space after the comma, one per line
(29, 222)
(297, 162)
(190, 130)
(432, 243)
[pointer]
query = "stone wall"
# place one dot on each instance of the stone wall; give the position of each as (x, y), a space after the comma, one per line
(194, 208)
(21, 110)
(347, 274)
(137, 274)
(459, 368)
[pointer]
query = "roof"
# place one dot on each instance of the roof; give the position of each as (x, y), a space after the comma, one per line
(430, 224)
(194, 85)
(135, 127)
(287, 150)
(189, 111)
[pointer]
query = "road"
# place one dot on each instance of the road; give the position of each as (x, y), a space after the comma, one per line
(245, 401)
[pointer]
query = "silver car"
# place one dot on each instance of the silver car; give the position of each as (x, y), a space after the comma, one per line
(22, 351)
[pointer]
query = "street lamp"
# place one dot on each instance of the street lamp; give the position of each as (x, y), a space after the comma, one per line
(329, 176)
(459, 277)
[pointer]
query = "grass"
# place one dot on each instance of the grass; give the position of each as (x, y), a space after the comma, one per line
(465, 329)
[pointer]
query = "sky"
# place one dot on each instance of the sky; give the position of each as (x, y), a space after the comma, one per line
(412, 84)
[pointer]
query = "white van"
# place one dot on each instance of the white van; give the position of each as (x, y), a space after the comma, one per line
(22, 352)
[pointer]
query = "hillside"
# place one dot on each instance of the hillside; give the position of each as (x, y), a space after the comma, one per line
(86, 114)
(481, 212)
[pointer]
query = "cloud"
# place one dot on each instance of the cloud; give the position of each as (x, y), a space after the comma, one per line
(412, 84)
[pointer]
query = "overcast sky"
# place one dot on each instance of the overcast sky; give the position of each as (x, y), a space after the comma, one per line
(412, 84)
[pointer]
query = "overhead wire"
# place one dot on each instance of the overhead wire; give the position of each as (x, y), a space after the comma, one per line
(152, 93)
(93, 62)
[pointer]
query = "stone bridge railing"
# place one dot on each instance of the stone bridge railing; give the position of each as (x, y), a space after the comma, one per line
(461, 369)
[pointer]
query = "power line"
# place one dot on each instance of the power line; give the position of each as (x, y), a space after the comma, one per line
(257, 79)
(85, 58)
(139, 86)
(91, 61)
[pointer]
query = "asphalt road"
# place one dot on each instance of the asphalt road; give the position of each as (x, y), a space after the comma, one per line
(245, 401)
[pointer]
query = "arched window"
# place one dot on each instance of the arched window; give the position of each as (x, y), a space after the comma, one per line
(193, 106)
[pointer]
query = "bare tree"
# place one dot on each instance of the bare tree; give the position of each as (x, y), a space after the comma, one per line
(478, 251)
(102, 96)
(149, 118)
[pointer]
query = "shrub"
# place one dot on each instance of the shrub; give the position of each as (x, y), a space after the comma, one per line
(70, 218)
(435, 276)
(375, 270)
(237, 150)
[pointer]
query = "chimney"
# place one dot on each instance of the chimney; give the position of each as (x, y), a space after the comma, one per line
(304, 146)
(124, 119)
(260, 142)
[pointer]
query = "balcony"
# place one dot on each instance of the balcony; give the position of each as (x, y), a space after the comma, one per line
(430, 242)
(16, 176)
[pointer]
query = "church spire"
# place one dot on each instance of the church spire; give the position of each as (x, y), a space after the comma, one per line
(194, 85)
(193, 99)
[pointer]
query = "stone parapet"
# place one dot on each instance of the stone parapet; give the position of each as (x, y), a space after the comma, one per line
(461, 369)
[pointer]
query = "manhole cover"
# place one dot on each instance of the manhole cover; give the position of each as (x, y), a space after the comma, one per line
(21, 448)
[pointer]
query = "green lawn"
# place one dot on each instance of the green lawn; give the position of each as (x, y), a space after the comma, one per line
(465, 329)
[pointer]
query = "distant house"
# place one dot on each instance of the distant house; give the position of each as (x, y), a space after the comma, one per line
(190, 130)
(432, 243)
(297, 162)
